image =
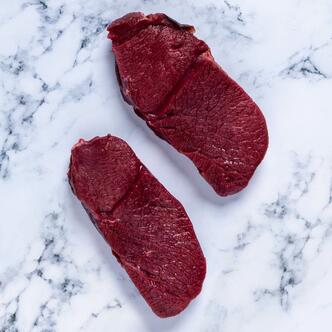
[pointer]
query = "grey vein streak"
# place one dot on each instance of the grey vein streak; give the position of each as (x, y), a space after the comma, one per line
(291, 254)
(54, 241)
(19, 108)
(292, 232)
(303, 64)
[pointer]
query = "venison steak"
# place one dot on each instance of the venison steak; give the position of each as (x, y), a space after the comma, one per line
(147, 228)
(171, 79)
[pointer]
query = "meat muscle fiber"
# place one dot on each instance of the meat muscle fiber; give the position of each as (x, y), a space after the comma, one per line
(147, 228)
(174, 84)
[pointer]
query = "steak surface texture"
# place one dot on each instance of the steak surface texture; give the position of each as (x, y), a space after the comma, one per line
(171, 79)
(147, 228)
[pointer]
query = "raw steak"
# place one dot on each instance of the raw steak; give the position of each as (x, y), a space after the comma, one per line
(174, 84)
(148, 229)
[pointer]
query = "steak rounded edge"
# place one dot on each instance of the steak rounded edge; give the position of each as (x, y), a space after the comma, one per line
(147, 228)
(174, 84)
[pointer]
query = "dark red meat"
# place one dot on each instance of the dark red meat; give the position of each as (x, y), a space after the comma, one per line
(147, 228)
(174, 84)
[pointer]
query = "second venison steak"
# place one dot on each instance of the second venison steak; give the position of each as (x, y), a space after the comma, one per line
(148, 229)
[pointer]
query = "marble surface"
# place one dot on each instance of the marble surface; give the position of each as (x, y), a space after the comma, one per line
(268, 248)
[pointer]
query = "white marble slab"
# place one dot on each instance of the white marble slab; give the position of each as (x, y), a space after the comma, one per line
(268, 248)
